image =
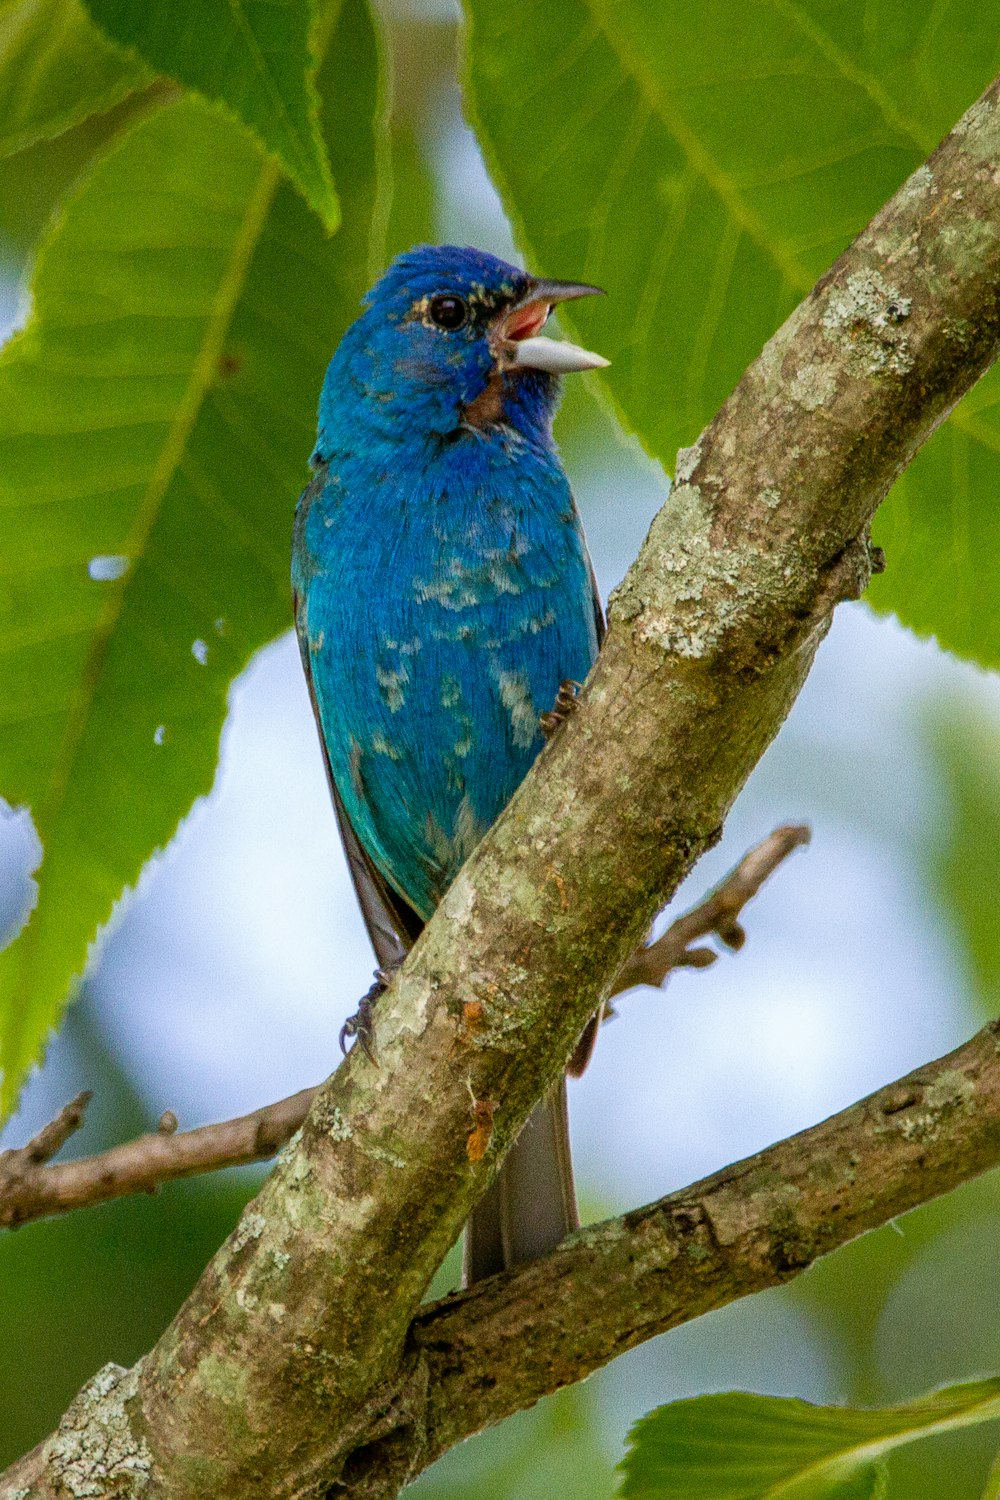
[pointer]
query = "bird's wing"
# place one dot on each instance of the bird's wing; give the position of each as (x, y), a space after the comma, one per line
(583, 1051)
(599, 620)
(393, 926)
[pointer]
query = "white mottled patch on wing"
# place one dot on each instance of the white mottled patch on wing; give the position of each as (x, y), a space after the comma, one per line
(391, 684)
(500, 572)
(449, 851)
(468, 831)
(515, 695)
(463, 744)
(451, 590)
(382, 746)
(451, 691)
(532, 624)
(438, 841)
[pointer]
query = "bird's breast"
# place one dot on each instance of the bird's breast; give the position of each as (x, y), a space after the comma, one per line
(440, 622)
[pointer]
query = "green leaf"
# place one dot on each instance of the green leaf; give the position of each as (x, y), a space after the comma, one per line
(744, 1447)
(251, 55)
(411, 216)
(34, 181)
(965, 860)
(941, 520)
(704, 164)
(56, 69)
(159, 408)
(992, 1490)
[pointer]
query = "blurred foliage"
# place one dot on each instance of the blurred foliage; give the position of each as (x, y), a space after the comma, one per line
(966, 746)
(411, 215)
(910, 1304)
(848, 1295)
(254, 57)
(34, 181)
(553, 1450)
(704, 163)
(56, 70)
(743, 1447)
(156, 363)
(938, 524)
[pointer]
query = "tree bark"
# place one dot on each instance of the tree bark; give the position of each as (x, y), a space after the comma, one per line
(290, 1361)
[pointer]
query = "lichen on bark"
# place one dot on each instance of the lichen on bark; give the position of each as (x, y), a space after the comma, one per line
(95, 1454)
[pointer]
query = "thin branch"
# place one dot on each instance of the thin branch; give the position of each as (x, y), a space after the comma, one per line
(32, 1188)
(718, 913)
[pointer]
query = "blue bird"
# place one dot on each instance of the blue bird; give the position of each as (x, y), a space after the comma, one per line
(443, 594)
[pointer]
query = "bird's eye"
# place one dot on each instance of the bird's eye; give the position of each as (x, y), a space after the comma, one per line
(448, 312)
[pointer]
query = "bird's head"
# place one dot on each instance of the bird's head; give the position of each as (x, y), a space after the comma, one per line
(449, 339)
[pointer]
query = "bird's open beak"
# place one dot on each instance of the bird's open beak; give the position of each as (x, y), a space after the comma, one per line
(518, 335)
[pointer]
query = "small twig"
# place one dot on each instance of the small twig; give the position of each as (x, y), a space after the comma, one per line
(53, 1136)
(719, 914)
(30, 1188)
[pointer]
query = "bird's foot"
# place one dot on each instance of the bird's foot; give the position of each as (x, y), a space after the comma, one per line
(565, 704)
(360, 1024)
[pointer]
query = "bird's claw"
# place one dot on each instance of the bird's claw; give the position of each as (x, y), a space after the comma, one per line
(360, 1024)
(565, 704)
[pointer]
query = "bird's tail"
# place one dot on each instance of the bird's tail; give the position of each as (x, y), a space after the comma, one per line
(532, 1204)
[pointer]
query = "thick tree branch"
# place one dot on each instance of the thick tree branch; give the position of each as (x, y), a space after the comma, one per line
(499, 1347)
(264, 1382)
(32, 1186)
